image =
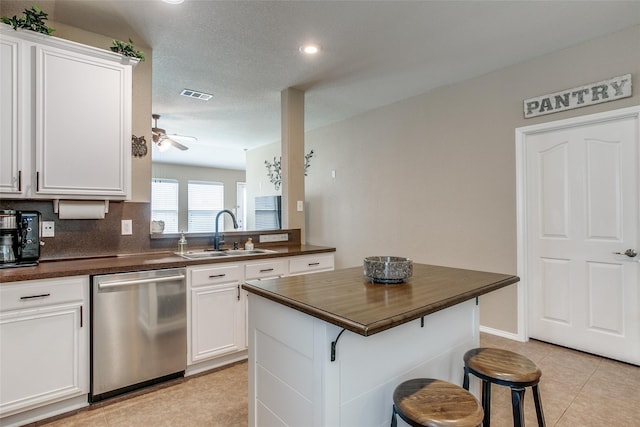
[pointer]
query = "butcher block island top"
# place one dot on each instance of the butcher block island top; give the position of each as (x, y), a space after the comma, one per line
(348, 299)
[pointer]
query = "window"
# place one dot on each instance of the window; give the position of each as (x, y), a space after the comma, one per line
(206, 199)
(164, 203)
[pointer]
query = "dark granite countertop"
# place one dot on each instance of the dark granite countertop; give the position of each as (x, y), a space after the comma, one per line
(138, 262)
(346, 298)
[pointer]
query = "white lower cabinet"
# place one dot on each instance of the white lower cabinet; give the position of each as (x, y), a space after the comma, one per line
(315, 263)
(217, 310)
(216, 316)
(44, 348)
(266, 269)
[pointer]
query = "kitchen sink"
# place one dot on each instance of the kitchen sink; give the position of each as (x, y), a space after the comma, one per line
(193, 255)
(202, 254)
(240, 252)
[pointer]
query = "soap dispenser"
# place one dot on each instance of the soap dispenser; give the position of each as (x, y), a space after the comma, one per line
(248, 246)
(182, 244)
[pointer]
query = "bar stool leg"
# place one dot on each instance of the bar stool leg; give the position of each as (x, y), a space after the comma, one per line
(517, 399)
(465, 380)
(486, 403)
(536, 399)
(394, 421)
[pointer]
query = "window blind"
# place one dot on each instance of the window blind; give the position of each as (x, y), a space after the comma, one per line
(164, 203)
(206, 199)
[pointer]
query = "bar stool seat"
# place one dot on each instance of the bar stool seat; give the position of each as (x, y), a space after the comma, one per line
(504, 367)
(434, 403)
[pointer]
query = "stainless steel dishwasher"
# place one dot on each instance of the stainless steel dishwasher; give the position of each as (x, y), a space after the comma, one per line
(138, 330)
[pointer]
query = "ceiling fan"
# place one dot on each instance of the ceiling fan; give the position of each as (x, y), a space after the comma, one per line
(165, 141)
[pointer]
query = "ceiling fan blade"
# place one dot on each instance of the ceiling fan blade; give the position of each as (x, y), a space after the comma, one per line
(185, 137)
(160, 137)
(176, 144)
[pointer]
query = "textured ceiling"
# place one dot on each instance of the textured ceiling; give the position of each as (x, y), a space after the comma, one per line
(374, 53)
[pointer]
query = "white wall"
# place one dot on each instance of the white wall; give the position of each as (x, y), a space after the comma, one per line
(433, 177)
(229, 177)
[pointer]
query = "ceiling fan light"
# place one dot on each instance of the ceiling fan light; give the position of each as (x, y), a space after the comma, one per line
(163, 145)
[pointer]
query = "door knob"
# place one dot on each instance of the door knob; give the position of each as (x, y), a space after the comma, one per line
(631, 253)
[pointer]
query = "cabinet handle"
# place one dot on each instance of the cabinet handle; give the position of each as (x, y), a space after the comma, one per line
(37, 181)
(238, 292)
(35, 296)
(311, 264)
(266, 270)
(217, 276)
(19, 180)
(81, 316)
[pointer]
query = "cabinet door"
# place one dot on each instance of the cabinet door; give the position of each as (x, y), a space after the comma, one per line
(10, 173)
(41, 357)
(83, 125)
(217, 321)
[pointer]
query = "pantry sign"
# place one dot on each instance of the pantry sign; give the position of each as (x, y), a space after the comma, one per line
(582, 96)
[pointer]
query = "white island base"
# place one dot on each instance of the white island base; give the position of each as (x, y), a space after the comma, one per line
(293, 382)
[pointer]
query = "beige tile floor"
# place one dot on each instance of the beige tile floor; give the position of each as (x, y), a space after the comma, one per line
(578, 390)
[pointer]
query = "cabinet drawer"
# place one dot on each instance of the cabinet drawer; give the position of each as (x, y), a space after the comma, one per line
(310, 263)
(266, 269)
(38, 293)
(212, 275)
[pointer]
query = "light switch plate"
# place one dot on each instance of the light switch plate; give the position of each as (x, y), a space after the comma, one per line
(127, 227)
(300, 205)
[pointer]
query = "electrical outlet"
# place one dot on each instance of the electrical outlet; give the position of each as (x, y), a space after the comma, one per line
(127, 227)
(48, 229)
(267, 238)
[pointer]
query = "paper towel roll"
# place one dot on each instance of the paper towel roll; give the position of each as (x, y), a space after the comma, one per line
(81, 209)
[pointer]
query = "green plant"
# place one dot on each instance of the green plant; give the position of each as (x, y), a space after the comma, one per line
(127, 49)
(32, 19)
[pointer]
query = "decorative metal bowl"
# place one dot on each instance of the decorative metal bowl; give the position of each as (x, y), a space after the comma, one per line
(388, 269)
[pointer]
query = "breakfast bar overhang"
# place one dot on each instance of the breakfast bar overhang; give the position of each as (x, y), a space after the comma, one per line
(328, 349)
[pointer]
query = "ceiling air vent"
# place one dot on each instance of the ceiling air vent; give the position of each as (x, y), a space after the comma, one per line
(195, 94)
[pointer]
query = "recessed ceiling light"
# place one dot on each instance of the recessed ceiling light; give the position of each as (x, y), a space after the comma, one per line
(310, 49)
(173, 1)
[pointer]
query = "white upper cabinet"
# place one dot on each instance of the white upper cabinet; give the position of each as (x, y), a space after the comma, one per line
(66, 131)
(10, 154)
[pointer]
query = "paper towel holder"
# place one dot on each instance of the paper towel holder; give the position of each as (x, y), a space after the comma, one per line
(56, 205)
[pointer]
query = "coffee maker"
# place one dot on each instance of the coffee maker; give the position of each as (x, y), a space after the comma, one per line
(19, 238)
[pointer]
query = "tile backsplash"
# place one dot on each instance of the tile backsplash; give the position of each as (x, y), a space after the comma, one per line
(86, 238)
(91, 237)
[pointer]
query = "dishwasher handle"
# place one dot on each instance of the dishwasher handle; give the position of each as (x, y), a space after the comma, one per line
(118, 283)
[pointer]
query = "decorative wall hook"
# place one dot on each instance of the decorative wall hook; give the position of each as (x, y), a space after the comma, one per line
(274, 170)
(138, 146)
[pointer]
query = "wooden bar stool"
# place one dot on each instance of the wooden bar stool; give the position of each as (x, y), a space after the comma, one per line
(425, 402)
(503, 367)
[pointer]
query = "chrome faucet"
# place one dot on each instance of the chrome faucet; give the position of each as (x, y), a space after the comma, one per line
(216, 236)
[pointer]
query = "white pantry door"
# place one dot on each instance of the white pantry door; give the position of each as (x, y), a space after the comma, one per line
(581, 185)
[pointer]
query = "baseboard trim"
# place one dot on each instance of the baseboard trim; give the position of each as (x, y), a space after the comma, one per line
(501, 333)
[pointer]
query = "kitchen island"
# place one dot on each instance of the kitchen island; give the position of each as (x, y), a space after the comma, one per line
(328, 349)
